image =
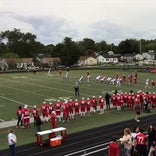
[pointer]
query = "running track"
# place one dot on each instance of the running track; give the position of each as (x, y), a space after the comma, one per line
(92, 142)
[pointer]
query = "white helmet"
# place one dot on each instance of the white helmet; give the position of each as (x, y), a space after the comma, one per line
(100, 96)
(50, 103)
(58, 100)
(44, 102)
(34, 106)
(26, 106)
(76, 100)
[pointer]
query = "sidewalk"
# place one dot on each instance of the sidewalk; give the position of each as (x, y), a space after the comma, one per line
(11, 123)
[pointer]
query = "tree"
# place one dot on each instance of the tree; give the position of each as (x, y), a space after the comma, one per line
(128, 46)
(86, 46)
(23, 44)
(69, 53)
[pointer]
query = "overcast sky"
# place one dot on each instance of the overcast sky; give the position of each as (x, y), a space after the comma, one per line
(53, 20)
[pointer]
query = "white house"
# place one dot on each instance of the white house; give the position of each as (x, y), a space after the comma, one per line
(107, 59)
(101, 59)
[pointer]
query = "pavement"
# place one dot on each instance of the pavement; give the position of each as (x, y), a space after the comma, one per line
(11, 123)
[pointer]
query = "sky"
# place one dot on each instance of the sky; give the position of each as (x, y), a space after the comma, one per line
(53, 20)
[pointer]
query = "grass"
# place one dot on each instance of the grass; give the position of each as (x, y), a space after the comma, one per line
(32, 89)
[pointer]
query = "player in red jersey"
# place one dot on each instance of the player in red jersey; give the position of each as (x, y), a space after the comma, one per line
(129, 101)
(113, 100)
(53, 119)
(153, 97)
(141, 143)
(94, 104)
(19, 116)
(118, 102)
(58, 107)
(101, 104)
(71, 109)
(26, 116)
(125, 95)
(114, 149)
(130, 78)
(153, 84)
(83, 107)
(76, 106)
(123, 78)
(45, 111)
(60, 72)
(135, 78)
(88, 106)
(35, 114)
(65, 107)
(50, 108)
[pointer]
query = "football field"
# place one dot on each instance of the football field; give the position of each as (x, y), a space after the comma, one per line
(32, 89)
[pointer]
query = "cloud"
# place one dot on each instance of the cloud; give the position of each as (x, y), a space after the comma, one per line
(48, 29)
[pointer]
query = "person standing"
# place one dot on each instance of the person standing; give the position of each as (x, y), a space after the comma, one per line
(35, 114)
(126, 140)
(19, 116)
(114, 149)
(76, 88)
(12, 140)
(38, 124)
(107, 98)
(141, 143)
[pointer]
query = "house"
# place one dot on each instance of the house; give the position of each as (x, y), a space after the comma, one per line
(148, 56)
(51, 61)
(129, 58)
(101, 59)
(110, 59)
(87, 61)
(138, 57)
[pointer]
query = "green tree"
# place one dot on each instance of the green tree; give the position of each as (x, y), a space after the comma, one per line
(23, 44)
(128, 46)
(69, 53)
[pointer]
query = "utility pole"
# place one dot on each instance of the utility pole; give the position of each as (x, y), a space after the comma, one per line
(140, 48)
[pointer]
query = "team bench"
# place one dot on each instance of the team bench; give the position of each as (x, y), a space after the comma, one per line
(52, 139)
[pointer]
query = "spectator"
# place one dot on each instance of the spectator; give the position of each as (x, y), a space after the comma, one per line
(12, 142)
(151, 138)
(141, 143)
(126, 140)
(133, 135)
(114, 149)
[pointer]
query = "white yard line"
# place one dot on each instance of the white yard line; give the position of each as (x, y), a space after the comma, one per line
(25, 91)
(42, 86)
(3, 97)
(1, 120)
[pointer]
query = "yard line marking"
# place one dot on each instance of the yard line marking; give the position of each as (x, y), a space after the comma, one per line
(2, 120)
(24, 91)
(42, 86)
(14, 101)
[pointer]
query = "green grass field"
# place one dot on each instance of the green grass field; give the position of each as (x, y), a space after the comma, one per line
(28, 88)
(32, 89)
